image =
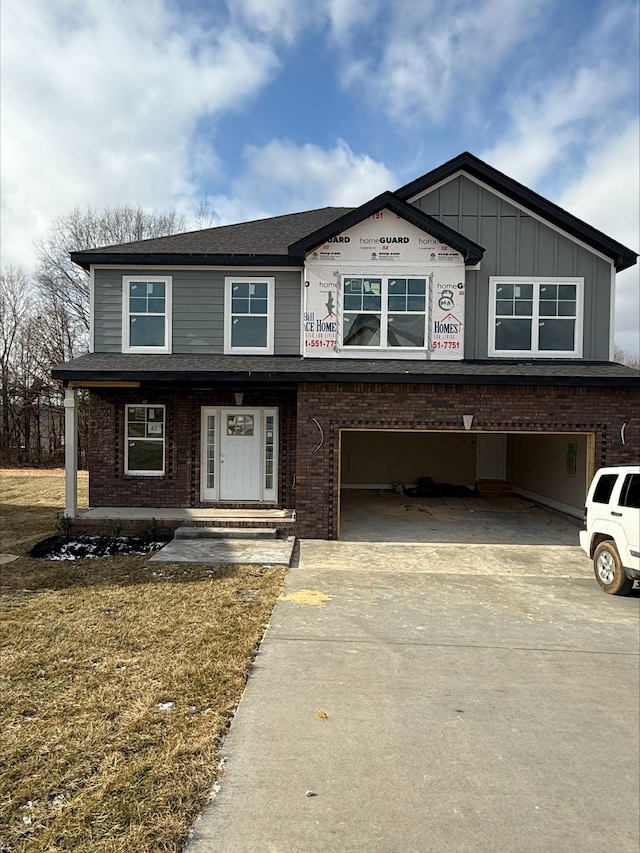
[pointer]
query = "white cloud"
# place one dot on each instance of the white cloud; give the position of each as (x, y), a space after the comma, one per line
(282, 177)
(434, 54)
(100, 103)
(280, 18)
(607, 196)
(551, 121)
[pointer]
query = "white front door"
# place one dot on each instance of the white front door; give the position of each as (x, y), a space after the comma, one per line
(240, 456)
(492, 456)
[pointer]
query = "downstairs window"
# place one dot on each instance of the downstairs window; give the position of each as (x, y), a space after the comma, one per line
(144, 440)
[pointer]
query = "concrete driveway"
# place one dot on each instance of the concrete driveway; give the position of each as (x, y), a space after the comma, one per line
(469, 701)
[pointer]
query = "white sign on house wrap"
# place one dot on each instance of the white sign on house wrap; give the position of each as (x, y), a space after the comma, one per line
(384, 251)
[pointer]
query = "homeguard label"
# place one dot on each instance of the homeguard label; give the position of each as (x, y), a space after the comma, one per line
(377, 247)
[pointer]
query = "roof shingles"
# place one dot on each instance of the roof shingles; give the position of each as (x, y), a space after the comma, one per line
(217, 368)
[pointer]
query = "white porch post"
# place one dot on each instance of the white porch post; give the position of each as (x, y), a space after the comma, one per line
(70, 453)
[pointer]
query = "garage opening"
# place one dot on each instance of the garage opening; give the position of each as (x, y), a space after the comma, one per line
(458, 476)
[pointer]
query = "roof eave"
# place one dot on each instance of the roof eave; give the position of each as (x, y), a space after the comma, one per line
(622, 256)
(472, 252)
(88, 259)
(292, 378)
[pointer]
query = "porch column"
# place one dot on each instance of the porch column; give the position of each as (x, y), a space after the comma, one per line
(70, 453)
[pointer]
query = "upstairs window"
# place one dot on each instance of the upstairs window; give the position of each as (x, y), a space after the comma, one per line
(146, 320)
(384, 312)
(249, 315)
(535, 317)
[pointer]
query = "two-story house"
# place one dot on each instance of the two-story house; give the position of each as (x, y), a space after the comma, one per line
(459, 328)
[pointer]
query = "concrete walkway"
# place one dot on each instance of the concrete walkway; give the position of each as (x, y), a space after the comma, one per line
(469, 705)
(221, 552)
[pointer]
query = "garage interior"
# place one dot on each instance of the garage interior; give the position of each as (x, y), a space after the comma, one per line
(385, 494)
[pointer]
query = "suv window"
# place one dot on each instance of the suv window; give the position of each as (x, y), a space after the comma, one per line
(631, 491)
(604, 488)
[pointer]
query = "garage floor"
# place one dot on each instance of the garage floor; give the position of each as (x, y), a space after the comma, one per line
(380, 516)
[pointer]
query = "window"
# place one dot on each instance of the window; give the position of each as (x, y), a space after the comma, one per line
(630, 495)
(146, 317)
(384, 312)
(535, 317)
(144, 442)
(249, 315)
(603, 490)
(240, 424)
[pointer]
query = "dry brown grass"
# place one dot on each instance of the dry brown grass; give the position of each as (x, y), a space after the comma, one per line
(91, 652)
(31, 501)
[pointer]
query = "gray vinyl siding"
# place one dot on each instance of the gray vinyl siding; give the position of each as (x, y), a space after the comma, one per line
(519, 245)
(198, 308)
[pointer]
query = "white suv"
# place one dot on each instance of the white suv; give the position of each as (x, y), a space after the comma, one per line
(611, 534)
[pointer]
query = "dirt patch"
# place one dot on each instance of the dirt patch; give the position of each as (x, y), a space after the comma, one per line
(80, 547)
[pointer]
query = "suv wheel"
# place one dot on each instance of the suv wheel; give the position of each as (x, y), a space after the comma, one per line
(608, 570)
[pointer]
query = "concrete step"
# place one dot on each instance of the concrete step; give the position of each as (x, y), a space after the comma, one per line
(225, 533)
(227, 552)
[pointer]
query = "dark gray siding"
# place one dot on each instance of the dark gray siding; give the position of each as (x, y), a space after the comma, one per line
(517, 244)
(198, 309)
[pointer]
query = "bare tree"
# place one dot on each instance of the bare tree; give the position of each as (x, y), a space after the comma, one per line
(205, 216)
(61, 280)
(623, 357)
(15, 308)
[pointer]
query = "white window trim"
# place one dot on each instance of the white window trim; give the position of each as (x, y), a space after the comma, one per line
(384, 314)
(207, 495)
(536, 352)
(126, 281)
(229, 281)
(126, 440)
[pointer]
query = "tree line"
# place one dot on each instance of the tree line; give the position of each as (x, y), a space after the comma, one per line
(44, 321)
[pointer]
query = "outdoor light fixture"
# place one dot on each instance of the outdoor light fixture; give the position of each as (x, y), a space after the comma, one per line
(467, 420)
(239, 397)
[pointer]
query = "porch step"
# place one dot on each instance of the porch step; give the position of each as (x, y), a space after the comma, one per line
(225, 533)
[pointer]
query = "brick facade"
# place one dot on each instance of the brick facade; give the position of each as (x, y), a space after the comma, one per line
(600, 411)
(309, 434)
(180, 485)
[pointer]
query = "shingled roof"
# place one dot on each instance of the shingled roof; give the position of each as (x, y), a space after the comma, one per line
(467, 163)
(264, 239)
(216, 369)
(282, 240)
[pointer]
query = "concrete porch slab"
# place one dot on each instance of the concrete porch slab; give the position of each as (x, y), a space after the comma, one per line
(218, 552)
(186, 514)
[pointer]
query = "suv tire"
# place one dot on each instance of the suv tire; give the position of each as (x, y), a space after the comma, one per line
(608, 570)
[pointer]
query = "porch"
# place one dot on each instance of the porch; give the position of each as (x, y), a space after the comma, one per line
(132, 520)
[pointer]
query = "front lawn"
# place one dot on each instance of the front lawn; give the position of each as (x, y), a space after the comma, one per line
(118, 679)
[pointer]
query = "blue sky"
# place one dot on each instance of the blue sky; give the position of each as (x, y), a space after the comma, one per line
(273, 106)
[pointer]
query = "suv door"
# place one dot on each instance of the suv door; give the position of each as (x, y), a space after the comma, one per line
(626, 516)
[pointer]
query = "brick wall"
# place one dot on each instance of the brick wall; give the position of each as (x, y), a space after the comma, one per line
(180, 485)
(309, 440)
(336, 406)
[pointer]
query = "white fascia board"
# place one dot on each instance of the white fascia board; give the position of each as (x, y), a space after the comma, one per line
(522, 207)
